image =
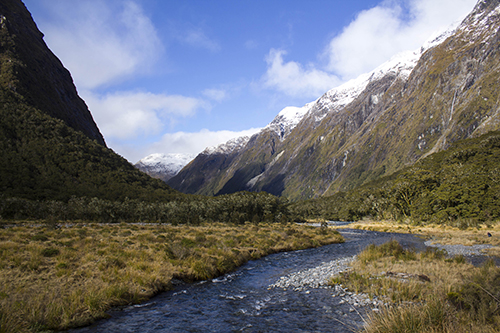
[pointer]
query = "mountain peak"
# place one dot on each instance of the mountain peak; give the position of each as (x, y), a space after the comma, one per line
(164, 166)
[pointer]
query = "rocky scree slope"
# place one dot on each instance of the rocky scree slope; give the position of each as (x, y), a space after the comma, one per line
(414, 105)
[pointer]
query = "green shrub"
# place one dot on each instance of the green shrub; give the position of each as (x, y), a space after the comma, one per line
(39, 237)
(50, 252)
(432, 253)
(391, 248)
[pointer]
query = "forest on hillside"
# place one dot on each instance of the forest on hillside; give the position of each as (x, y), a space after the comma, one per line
(49, 171)
(459, 186)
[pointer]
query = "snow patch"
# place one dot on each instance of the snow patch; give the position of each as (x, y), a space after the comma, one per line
(227, 147)
(164, 163)
(288, 119)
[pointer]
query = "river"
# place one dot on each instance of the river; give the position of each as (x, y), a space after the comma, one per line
(244, 301)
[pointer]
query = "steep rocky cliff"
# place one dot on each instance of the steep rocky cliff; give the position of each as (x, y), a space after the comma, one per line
(31, 70)
(416, 104)
(50, 147)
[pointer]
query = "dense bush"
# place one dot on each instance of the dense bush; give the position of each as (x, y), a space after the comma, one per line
(234, 208)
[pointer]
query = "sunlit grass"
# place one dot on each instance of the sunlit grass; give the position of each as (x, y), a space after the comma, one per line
(428, 292)
(52, 279)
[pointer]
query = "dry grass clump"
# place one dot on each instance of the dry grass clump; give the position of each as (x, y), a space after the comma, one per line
(429, 292)
(53, 279)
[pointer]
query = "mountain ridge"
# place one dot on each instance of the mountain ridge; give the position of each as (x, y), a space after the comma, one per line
(40, 76)
(391, 121)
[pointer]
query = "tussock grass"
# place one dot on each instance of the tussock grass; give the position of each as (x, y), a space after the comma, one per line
(54, 279)
(428, 292)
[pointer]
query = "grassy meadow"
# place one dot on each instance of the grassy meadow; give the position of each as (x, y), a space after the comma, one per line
(54, 278)
(428, 292)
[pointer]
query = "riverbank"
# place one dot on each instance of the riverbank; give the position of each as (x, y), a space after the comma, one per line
(245, 300)
(440, 234)
(427, 291)
(55, 277)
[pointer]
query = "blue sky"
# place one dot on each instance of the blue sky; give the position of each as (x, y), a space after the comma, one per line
(172, 76)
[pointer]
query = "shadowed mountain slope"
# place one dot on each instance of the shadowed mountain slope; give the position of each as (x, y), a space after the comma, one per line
(50, 147)
(30, 69)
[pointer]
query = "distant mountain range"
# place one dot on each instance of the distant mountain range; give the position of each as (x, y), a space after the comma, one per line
(164, 166)
(416, 104)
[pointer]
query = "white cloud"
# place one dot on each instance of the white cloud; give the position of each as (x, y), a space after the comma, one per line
(372, 38)
(198, 38)
(100, 42)
(179, 142)
(389, 28)
(193, 35)
(126, 115)
(217, 95)
(292, 79)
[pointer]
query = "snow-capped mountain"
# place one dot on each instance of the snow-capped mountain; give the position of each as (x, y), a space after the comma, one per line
(415, 104)
(227, 147)
(289, 117)
(164, 166)
(400, 66)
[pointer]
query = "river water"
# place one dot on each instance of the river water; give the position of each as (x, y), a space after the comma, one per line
(243, 302)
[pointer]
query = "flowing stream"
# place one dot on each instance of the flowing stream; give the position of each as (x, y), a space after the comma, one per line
(245, 301)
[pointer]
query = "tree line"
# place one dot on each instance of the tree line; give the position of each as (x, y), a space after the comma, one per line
(235, 208)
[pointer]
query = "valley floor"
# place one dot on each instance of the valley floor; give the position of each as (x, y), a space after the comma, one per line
(57, 276)
(427, 291)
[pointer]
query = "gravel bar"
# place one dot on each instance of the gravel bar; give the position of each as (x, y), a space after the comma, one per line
(453, 250)
(316, 277)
